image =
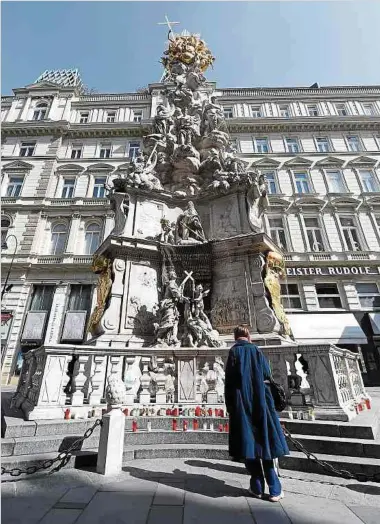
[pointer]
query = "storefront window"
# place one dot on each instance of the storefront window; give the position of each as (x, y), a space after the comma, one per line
(328, 296)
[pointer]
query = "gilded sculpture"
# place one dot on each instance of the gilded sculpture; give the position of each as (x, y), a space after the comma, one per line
(101, 266)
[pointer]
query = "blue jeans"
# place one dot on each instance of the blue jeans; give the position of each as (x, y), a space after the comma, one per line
(255, 469)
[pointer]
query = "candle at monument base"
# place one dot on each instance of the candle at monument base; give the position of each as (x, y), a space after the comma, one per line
(198, 411)
(204, 426)
(174, 424)
(134, 426)
(149, 426)
(67, 414)
(211, 426)
(368, 403)
(220, 427)
(126, 412)
(195, 424)
(185, 425)
(226, 427)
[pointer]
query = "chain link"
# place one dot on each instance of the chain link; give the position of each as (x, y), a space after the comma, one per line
(62, 458)
(360, 477)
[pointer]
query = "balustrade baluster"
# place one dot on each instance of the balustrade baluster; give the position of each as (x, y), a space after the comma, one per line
(80, 380)
(97, 379)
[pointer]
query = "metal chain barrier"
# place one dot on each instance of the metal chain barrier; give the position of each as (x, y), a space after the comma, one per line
(62, 458)
(360, 477)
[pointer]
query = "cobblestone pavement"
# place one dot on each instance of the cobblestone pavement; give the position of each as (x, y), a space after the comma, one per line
(184, 492)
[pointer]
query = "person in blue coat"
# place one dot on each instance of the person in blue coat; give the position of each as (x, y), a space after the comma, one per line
(255, 434)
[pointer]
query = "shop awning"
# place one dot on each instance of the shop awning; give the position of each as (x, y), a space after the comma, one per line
(375, 322)
(338, 328)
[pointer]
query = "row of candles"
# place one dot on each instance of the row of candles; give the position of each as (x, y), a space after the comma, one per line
(174, 411)
(363, 405)
(176, 426)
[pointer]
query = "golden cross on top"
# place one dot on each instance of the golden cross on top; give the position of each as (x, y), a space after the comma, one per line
(168, 23)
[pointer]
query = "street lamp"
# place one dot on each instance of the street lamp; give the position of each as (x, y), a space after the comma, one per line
(4, 245)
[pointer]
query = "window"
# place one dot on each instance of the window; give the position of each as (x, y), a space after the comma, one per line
(76, 150)
(228, 112)
(84, 117)
(40, 111)
(42, 298)
(80, 298)
(277, 232)
(369, 296)
(14, 186)
(341, 109)
(133, 150)
(92, 238)
(290, 296)
(353, 143)
(105, 150)
(350, 233)
(137, 115)
(292, 145)
(99, 189)
(312, 110)
(368, 180)
(328, 296)
(256, 111)
(58, 239)
(261, 145)
(314, 234)
(27, 148)
(110, 116)
(335, 182)
(369, 109)
(271, 181)
(302, 183)
(284, 111)
(5, 225)
(68, 188)
(323, 145)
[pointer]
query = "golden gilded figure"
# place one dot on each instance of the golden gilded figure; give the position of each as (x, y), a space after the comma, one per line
(275, 270)
(188, 49)
(101, 266)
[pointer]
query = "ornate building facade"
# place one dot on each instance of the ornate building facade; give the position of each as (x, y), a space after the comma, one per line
(318, 148)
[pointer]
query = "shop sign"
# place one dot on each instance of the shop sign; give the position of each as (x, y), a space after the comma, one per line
(327, 271)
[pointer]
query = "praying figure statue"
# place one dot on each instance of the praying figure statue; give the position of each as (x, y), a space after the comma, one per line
(189, 228)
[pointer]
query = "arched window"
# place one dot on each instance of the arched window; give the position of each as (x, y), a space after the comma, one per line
(40, 111)
(58, 239)
(5, 225)
(92, 238)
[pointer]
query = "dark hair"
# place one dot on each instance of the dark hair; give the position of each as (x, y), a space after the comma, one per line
(241, 331)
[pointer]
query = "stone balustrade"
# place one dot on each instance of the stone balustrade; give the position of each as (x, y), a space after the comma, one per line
(54, 378)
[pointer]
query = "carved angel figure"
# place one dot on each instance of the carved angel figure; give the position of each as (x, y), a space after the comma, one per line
(189, 227)
(212, 114)
(257, 200)
(163, 121)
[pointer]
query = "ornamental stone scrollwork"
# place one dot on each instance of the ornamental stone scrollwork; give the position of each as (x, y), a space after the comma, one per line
(101, 266)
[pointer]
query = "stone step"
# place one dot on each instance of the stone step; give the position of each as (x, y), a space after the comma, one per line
(338, 446)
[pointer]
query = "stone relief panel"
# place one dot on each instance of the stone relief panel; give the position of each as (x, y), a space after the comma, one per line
(148, 219)
(142, 299)
(225, 218)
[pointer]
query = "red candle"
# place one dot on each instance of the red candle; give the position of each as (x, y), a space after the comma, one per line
(195, 424)
(168, 411)
(134, 426)
(184, 426)
(174, 425)
(220, 427)
(356, 408)
(360, 407)
(209, 412)
(216, 411)
(368, 403)
(226, 427)
(67, 414)
(126, 412)
(221, 413)
(175, 412)
(198, 411)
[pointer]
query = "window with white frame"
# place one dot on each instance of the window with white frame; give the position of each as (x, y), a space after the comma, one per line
(14, 186)
(27, 148)
(292, 145)
(68, 187)
(92, 238)
(99, 190)
(5, 225)
(368, 294)
(228, 112)
(312, 110)
(369, 109)
(350, 233)
(353, 142)
(76, 150)
(80, 297)
(335, 181)
(271, 181)
(302, 182)
(84, 117)
(290, 296)
(261, 145)
(328, 296)
(105, 150)
(110, 116)
(40, 111)
(368, 180)
(314, 234)
(323, 144)
(341, 109)
(133, 149)
(58, 239)
(284, 111)
(137, 115)
(277, 232)
(256, 111)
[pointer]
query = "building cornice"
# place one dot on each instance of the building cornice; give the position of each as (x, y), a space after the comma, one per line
(300, 93)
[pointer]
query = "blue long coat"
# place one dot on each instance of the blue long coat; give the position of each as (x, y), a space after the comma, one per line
(255, 430)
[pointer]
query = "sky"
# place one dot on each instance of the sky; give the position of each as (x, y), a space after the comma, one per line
(117, 45)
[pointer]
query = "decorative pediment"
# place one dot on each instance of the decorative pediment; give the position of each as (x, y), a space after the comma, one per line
(345, 201)
(362, 161)
(277, 201)
(105, 168)
(42, 85)
(298, 161)
(266, 162)
(310, 200)
(373, 201)
(70, 168)
(17, 165)
(330, 161)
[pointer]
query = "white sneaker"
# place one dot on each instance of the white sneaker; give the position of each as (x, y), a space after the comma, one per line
(277, 498)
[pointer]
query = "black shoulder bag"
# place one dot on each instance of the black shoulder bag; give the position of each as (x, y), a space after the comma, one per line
(278, 394)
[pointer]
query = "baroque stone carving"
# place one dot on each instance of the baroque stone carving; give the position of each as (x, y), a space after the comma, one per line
(102, 267)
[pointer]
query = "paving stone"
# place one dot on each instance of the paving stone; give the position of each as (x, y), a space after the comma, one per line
(116, 508)
(131, 485)
(81, 495)
(28, 510)
(366, 514)
(201, 509)
(169, 495)
(265, 512)
(61, 516)
(165, 515)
